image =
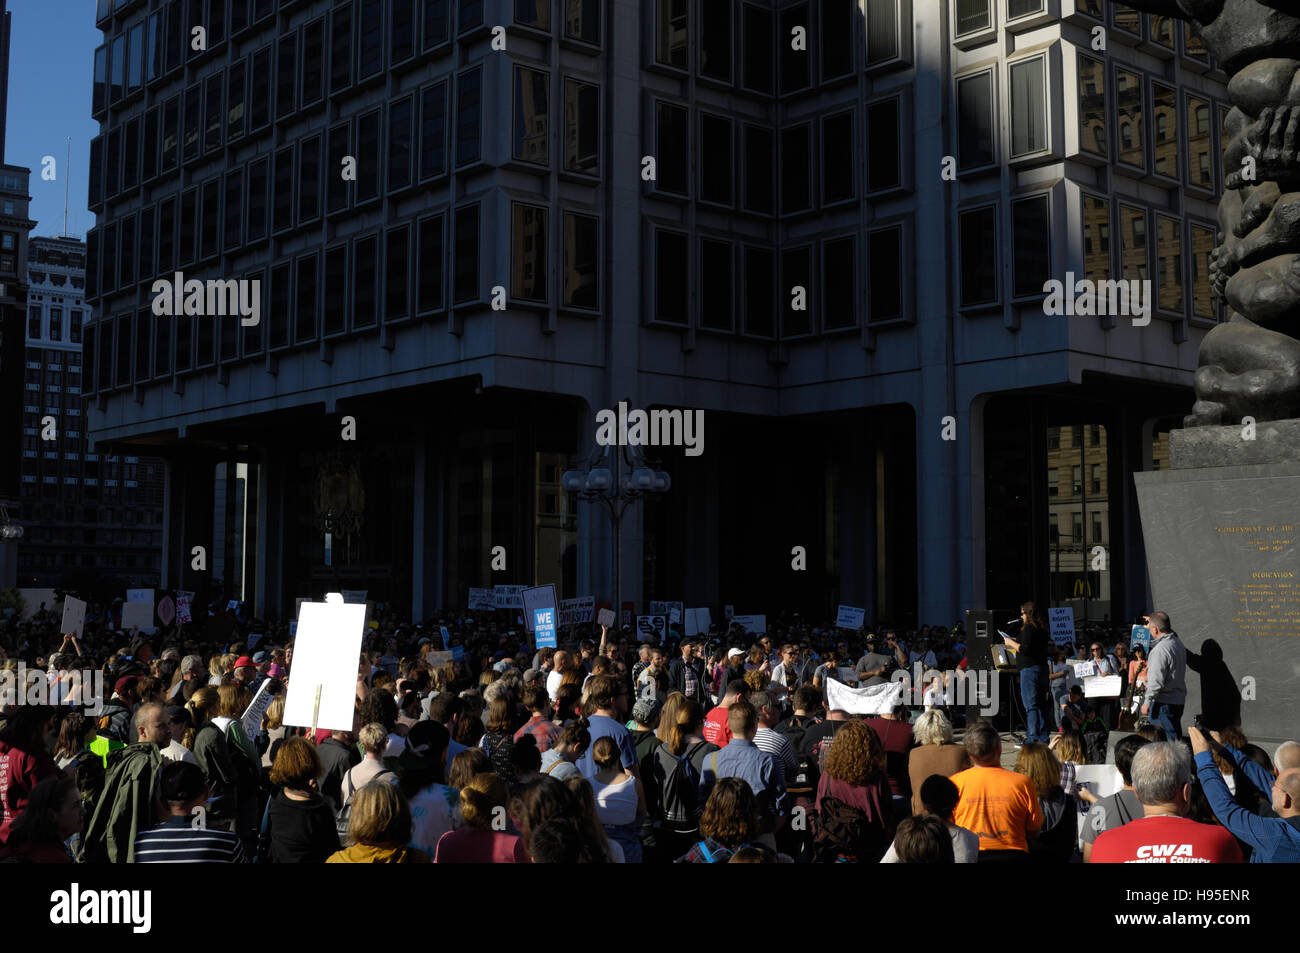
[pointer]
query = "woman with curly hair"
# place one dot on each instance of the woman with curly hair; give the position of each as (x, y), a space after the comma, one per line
(729, 822)
(854, 804)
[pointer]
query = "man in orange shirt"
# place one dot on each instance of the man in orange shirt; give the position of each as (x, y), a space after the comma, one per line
(998, 805)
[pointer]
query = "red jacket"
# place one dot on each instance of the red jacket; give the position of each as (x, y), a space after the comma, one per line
(20, 771)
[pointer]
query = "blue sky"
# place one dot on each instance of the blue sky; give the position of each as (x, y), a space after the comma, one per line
(51, 55)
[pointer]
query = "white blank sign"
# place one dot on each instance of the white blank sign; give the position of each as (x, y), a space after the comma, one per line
(326, 652)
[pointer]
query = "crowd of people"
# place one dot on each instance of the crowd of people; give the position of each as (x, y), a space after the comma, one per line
(722, 747)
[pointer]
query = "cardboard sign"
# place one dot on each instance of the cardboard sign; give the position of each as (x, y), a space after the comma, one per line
(482, 599)
(140, 595)
(698, 622)
(651, 627)
(508, 597)
(1085, 670)
(252, 720)
(1141, 636)
(605, 617)
(138, 615)
(850, 618)
(253, 639)
(446, 637)
(326, 654)
(74, 616)
(544, 626)
(753, 624)
(166, 610)
(1103, 686)
(539, 597)
(183, 610)
(1062, 622)
(576, 611)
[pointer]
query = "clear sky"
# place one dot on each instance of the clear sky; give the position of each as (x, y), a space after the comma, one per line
(51, 57)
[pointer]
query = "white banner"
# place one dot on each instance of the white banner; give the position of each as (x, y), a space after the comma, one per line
(871, 700)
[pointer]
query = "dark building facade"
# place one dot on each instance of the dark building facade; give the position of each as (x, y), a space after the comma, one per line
(474, 224)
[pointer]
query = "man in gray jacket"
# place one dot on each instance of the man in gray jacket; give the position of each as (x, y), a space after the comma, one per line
(1166, 692)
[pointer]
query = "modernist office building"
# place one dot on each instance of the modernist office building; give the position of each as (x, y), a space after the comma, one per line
(838, 252)
(89, 519)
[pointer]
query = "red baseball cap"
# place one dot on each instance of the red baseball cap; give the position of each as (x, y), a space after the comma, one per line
(244, 662)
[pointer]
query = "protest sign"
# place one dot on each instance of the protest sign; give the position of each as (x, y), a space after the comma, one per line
(508, 597)
(675, 614)
(544, 626)
(1062, 623)
(140, 595)
(482, 599)
(850, 618)
(1102, 686)
(872, 700)
(698, 622)
(1141, 636)
(651, 627)
(446, 637)
(753, 624)
(138, 615)
(605, 617)
(166, 610)
(576, 611)
(253, 639)
(437, 659)
(252, 720)
(325, 656)
(74, 616)
(183, 609)
(665, 608)
(539, 597)
(1085, 669)
(457, 652)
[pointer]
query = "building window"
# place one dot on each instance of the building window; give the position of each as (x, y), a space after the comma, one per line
(113, 174)
(759, 160)
(466, 254)
(258, 179)
(1092, 106)
(1202, 299)
(149, 158)
(306, 299)
(142, 342)
(122, 373)
(717, 283)
(672, 137)
(885, 274)
(469, 101)
(286, 85)
(1053, 481)
(162, 349)
(131, 155)
(313, 62)
(581, 127)
(98, 100)
(1076, 473)
(839, 29)
(1023, 8)
(531, 139)
(397, 274)
(796, 171)
(369, 172)
(671, 17)
(534, 13)
(401, 44)
(528, 252)
(170, 135)
(189, 227)
(210, 236)
(193, 128)
(400, 118)
(260, 95)
(177, 36)
(430, 255)
(759, 271)
(757, 65)
(974, 16)
(1028, 107)
(716, 164)
(884, 161)
(977, 234)
(795, 64)
(796, 274)
(884, 31)
(672, 267)
(95, 192)
(166, 235)
(341, 47)
(1128, 106)
(1198, 143)
(309, 180)
(1031, 238)
(470, 15)
(74, 326)
(117, 68)
(839, 278)
(1169, 261)
(436, 23)
(837, 158)
(1096, 518)
(336, 189)
(281, 307)
(715, 41)
(370, 39)
(582, 20)
(34, 323)
(1133, 243)
(975, 121)
(282, 190)
(433, 131)
(1164, 106)
(1127, 20)
(1096, 238)
(234, 209)
(336, 289)
(581, 276)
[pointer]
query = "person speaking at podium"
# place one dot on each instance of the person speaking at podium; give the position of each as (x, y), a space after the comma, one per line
(1031, 654)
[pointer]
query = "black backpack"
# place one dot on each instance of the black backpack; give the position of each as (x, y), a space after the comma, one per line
(806, 772)
(679, 784)
(845, 836)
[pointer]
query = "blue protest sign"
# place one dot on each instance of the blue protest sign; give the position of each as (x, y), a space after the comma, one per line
(544, 627)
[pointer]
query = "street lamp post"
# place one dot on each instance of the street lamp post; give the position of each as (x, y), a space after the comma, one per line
(616, 477)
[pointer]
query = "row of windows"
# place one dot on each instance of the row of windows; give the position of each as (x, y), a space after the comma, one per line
(41, 326)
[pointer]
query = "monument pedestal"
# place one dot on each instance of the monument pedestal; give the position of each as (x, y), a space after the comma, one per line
(1268, 441)
(1224, 562)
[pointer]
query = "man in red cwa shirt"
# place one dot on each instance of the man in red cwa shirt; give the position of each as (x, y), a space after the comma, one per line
(1165, 835)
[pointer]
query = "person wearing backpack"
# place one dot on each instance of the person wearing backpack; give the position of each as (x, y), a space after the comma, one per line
(671, 775)
(373, 739)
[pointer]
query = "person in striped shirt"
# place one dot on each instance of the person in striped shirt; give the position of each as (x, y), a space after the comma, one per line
(184, 838)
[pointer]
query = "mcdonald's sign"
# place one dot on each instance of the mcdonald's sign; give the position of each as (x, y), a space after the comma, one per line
(1083, 588)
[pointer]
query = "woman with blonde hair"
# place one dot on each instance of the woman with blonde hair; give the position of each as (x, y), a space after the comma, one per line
(680, 758)
(1070, 751)
(275, 728)
(936, 755)
(215, 671)
(1056, 838)
(379, 828)
(483, 839)
(208, 742)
